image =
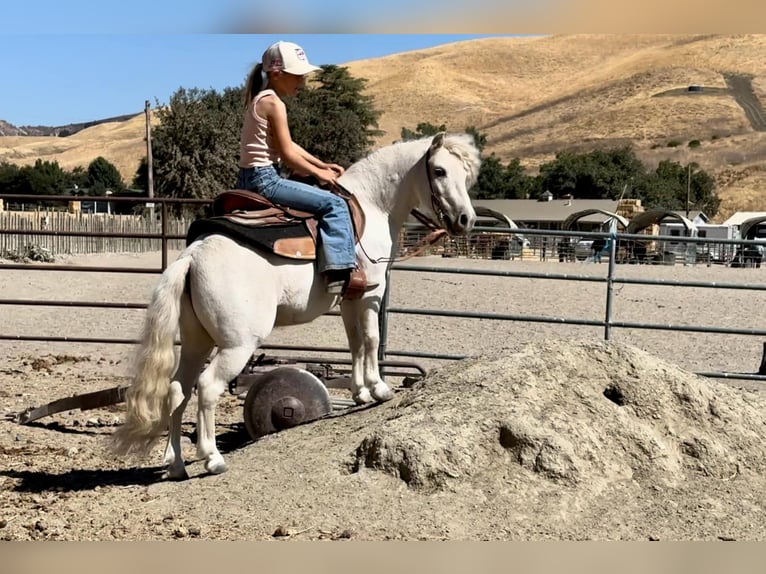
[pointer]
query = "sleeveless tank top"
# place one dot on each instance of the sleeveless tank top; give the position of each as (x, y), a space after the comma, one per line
(255, 148)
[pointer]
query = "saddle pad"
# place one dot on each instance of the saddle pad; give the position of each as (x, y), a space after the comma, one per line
(291, 240)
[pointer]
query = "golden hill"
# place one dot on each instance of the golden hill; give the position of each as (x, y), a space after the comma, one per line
(122, 143)
(534, 96)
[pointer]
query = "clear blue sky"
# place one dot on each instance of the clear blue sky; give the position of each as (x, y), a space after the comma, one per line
(68, 61)
(56, 79)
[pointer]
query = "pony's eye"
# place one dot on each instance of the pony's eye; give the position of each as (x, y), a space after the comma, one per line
(439, 172)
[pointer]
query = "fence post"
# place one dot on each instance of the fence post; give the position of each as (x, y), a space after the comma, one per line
(610, 281)
(164, 234)
(383, 319)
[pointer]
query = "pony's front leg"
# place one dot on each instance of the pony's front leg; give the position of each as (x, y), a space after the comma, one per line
(361, 321)
(350, 311)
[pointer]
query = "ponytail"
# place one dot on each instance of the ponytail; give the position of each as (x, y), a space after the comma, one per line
(254, 83)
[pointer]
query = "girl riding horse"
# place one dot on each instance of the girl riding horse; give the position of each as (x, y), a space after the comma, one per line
(265, 140)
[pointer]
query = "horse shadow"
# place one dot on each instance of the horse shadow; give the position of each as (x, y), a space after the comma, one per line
(233, 438)
(62, 428)
(77, 480)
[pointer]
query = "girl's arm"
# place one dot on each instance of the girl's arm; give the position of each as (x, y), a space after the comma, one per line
(313, 160)
(294, 156)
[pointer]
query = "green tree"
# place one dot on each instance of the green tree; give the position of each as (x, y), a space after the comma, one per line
(141, 177)
(102, 176)
(519, 184)
(196, 144)
(479, 139)
(44, 178)
(671, 183)
(600, 174)
(492, 182)
(333, 118)
(423, 129)
(195, 147)
(11, 180)
(78, 179)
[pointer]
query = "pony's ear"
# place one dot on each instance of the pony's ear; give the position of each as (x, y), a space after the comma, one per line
(438, 140)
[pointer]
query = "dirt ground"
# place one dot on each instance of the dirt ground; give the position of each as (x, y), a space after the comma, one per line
(546, 432)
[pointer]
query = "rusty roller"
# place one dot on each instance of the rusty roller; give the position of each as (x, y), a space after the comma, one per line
(282, 398)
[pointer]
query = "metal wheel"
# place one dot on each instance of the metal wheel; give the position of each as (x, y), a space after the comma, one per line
(282, 398)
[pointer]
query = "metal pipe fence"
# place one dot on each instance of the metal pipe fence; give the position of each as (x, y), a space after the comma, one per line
(609, 322)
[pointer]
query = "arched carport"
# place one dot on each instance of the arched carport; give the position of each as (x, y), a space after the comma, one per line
(572, 219)
(491, 213)
(516, 242)
(637, 249)
(647, 218)
(749, 226)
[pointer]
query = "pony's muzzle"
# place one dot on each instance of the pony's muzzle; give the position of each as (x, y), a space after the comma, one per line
(463, 223)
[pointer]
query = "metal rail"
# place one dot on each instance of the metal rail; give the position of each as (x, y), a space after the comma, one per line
(611, 279)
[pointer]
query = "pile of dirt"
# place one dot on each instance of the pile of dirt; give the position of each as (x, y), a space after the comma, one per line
(578, 417)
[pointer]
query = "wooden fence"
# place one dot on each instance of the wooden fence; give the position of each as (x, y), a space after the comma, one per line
(63, 222)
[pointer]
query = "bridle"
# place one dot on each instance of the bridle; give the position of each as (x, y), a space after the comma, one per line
(436, 204)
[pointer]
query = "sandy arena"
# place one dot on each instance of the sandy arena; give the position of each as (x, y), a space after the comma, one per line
(545, 433)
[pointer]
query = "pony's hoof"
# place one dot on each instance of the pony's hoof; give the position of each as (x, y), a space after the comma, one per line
(382, 392)
(175, 474)
(216, 466)
(363, 397)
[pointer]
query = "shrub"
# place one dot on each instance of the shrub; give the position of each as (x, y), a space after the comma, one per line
(29, 253)
(694, 143)
(674, 143)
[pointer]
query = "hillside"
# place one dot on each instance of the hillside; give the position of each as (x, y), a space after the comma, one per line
(536, 96)
(7, 129)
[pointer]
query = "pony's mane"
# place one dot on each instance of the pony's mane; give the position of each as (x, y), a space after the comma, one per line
(379, 164)
(464, 146)
(460, 144)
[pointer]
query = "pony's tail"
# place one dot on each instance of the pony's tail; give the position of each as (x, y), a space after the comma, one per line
(148, 410)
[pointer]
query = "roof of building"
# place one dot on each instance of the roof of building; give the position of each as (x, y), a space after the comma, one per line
(742, 216)
(531, 210)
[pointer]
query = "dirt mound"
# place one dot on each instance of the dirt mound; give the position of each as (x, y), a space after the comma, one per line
(575, 416)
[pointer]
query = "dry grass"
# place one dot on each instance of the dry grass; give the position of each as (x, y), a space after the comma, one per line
(534, 97)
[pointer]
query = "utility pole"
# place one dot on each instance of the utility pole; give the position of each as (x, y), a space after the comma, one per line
(149, 168)
(688, 187)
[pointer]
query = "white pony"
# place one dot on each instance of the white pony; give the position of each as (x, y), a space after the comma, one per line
(221, 294)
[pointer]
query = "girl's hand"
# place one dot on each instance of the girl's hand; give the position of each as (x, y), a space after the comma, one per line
(327, 177)
(338, 169)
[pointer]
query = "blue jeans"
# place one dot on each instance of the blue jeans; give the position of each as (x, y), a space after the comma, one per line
(336, 232)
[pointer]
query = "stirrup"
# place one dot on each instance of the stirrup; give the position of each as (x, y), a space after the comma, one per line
(353, 286)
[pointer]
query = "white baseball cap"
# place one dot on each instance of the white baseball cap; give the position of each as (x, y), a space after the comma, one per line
(287, 57)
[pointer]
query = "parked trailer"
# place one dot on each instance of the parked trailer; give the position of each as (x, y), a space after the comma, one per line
(714, 252)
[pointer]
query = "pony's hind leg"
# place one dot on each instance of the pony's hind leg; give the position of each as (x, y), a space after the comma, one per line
(196, 345)
(227, 364)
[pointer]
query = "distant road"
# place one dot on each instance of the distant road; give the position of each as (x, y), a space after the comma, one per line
(742, 89)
